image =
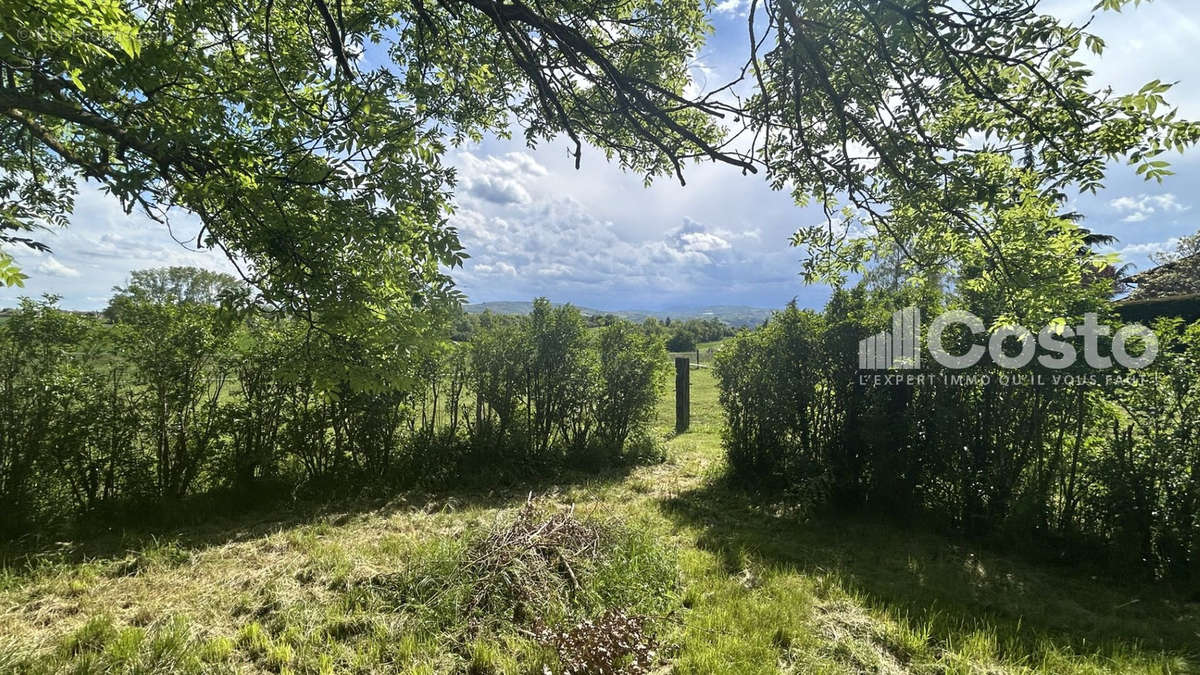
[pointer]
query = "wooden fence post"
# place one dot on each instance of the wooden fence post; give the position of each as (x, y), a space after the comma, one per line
(682, 393)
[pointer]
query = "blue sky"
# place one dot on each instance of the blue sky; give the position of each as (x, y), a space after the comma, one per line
(535, 226)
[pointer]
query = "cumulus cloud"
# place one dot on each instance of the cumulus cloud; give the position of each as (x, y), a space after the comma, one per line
(497, 189)
(732, 7)
(499, 268)
(695, 237)
(499, 179)
(703, 241)
(1141, 207)
(1148, 248)
(54, 268)
(557, 247)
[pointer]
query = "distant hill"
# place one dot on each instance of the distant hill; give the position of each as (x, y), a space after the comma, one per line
(734, 315)
(6, 312)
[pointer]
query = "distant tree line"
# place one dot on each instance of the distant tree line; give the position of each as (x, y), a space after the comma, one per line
(177, 396)
(678, 335)
(684, 336)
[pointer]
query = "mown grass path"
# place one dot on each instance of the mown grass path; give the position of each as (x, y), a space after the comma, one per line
(762, 589)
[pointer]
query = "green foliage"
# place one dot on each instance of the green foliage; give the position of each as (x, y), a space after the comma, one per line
(173, 285)
(912, 123)
(632, 375)
(260, 358)
(1150, 470)
(1078, 459)
(770, 406)
(310, 143)
(1034, 267)
(179, 397)
(543, 385)
(10, 275)
(62, 417)
(173, 349)
(105, 412)
(560, 378)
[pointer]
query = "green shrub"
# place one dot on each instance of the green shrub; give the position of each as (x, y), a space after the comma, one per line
(776, 398)
(1109, 466)
(545, 390)
(633, 374)
(180, 398)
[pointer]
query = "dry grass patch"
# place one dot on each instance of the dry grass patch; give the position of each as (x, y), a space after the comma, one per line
(435, 589)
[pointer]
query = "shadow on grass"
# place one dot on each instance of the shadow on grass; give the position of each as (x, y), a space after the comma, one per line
(953, 588)
(220, 518)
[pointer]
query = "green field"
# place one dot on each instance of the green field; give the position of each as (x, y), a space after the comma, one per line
(758, 589)
(706, 350)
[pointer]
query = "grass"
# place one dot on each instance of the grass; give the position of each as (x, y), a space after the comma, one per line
(730, 585)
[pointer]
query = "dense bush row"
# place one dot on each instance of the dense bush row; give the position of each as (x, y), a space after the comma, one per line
(176, 398)
(1089, 465)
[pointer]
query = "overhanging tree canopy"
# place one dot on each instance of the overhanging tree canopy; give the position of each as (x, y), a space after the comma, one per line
(920, 116)
(308, 136)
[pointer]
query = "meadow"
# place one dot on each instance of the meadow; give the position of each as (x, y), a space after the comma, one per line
(325, 465)
(725, 583)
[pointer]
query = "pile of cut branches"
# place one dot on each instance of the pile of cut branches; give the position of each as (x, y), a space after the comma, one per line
(582, 589)
(531, 562)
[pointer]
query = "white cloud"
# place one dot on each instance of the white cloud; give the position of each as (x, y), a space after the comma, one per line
(1148, 249)
(703, 241)
(554, 270)
(99, 249)
(695, 237)
(557, 247)
(733, 7)
(500, 268)
(499, 179)
(1139, 208)
(52, 267)
(496, 189)
(1153, 41)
